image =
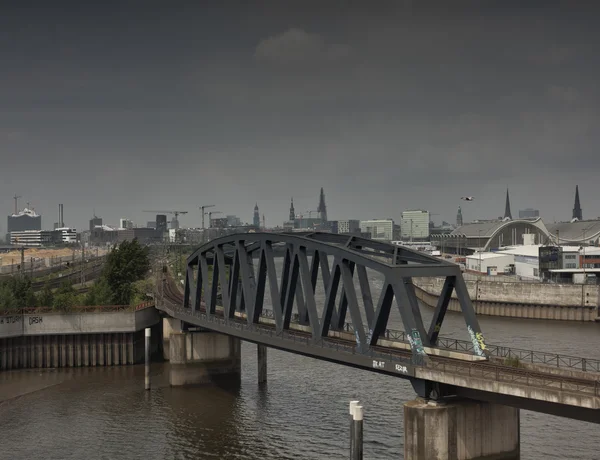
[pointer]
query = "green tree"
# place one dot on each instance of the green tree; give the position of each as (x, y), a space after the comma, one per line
(17, 292)
(7, 297)
(126, 264)
(46, 297)
(141, 289)
(99, 294)
(65, 297)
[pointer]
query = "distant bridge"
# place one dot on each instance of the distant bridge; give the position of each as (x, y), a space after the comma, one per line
(225, 293)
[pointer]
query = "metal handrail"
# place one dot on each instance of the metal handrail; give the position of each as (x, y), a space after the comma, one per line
(500, 351)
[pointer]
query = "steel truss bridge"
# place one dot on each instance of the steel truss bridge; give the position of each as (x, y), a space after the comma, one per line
(225, 292)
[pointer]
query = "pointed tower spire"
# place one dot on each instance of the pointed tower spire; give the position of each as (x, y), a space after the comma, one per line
(292, 210)
(507, 213)
(577, 213)
(322, 209)
(256, 220)
(459, 218)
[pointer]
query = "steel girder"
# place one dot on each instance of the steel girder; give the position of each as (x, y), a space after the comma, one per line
(243, 288)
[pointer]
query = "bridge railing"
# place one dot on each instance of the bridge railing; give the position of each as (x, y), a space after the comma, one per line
(488, 371)
(505, 374)
(521, 355)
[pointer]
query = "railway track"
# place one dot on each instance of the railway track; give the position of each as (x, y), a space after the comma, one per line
(89, 273)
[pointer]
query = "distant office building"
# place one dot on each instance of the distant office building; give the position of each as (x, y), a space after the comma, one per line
(143, 235)
(220, 222)
(67, 235)
(161, 223)
(27, 219)
(174, 224)
(33, 238)
(333, 226)
(37, 238)
(529, 213)
(125, 224)
(459, 218)
(414, 225)
(151, 224)
(95, 222)
(378, 229)
(233, 221)
(348, 226)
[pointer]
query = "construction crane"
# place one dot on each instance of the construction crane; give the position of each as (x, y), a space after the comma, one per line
(210, 216)
(202, 208)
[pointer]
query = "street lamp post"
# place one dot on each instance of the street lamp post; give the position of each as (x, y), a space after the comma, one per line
(479, 249)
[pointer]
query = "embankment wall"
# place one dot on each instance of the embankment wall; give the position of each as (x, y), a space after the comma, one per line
(566, 302)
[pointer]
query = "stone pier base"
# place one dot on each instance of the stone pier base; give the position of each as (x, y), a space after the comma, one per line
(460, 430)
(199, 358)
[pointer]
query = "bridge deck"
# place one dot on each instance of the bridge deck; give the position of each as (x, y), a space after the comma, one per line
(574, 397)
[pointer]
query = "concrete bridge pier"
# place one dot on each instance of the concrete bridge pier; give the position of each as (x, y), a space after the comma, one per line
(460, 430)
(202, 357)
(261, 353)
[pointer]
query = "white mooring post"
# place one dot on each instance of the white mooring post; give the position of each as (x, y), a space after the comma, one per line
(147, 367)
(353, 404)
(357, 422)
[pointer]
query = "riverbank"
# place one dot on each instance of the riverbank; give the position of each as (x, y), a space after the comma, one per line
(105, 336)
(564, 302)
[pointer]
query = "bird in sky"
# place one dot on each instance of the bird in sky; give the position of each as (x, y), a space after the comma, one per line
(467, 198)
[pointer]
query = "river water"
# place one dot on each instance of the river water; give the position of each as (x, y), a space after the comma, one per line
(301, 413)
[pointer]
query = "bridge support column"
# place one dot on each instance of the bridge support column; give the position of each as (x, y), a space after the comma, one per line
(261, 353)
(169, 325)
(203, 357)
(460, 430)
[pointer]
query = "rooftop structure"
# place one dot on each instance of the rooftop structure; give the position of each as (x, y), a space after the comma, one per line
(576, 232)
(490, 235)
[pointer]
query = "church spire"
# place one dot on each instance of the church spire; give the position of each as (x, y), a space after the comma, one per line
(322, 209)
(507, 213)
(459, 218)
(256, 220)
(292, 210)
(577, 213)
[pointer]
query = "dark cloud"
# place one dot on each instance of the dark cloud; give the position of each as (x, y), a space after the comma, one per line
(387, 105)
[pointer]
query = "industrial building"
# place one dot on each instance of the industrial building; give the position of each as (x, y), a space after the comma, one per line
(378, 229)
(38, 238)
(492, 235)
(490, 263)
(27, 219)
(414, 225)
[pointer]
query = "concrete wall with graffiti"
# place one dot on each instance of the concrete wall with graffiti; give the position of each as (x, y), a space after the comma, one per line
(77, 323)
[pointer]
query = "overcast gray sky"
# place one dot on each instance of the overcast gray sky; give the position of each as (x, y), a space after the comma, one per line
(387, 105)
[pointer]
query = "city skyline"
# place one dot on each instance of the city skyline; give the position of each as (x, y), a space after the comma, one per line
(122, 109)
(277, 222)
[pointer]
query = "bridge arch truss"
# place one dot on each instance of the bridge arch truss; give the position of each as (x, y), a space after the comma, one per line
(232, 272)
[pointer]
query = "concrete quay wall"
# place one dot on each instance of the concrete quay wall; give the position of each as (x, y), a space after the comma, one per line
(563, 302)
(75, 339)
